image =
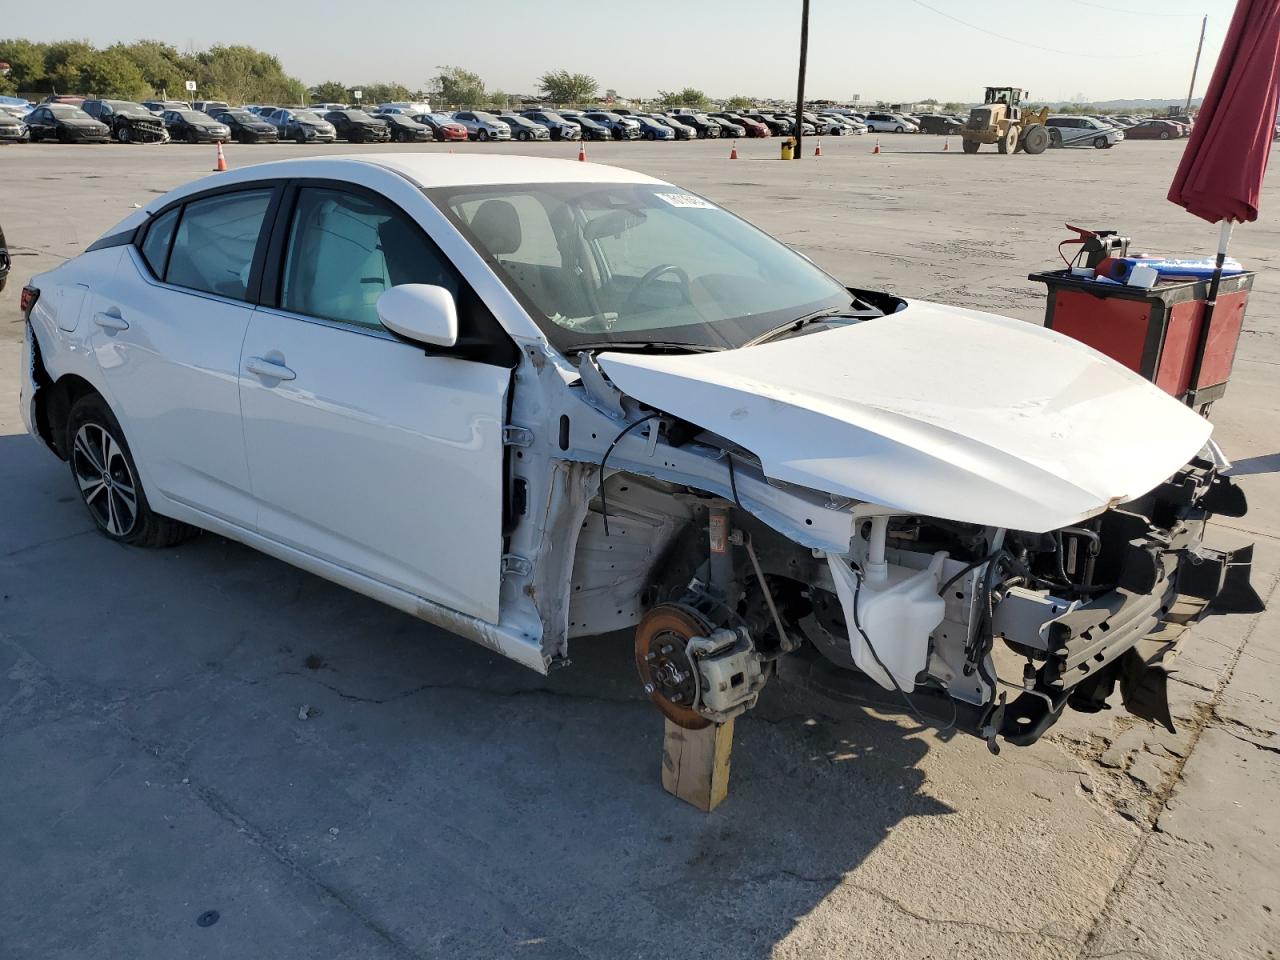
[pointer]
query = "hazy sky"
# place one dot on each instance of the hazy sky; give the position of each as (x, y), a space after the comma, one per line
(891, 49)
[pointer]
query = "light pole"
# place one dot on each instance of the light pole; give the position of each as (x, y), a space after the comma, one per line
(1195, 69)
(804, 60)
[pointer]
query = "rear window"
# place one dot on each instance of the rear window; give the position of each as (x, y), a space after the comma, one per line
(215, 243)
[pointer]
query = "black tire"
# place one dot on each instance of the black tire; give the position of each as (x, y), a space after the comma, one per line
(650, 135)
(111, 463)
(124, 133)
(482, 136)
(63, 136)
(300, 137)
(970, 146)
(899, 129)
(1164, 135)
(1055, 137)
(193, 137)
(1099, 143)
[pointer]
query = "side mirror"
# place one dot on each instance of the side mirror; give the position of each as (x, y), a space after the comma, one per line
(420, 312)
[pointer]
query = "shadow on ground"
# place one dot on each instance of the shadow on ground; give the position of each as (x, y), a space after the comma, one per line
(437, 801)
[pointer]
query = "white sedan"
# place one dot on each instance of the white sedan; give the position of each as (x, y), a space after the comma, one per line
(532, 400)
(890, 123)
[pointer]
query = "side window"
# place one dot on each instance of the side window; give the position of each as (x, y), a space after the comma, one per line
(216, 239)
(345, 250)
(155, 246)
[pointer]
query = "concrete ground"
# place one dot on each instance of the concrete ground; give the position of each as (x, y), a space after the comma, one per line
(440, 802)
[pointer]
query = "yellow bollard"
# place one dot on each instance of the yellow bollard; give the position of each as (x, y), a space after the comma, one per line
(788, 148)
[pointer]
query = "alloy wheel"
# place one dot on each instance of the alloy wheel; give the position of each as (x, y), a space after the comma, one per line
(106, 483)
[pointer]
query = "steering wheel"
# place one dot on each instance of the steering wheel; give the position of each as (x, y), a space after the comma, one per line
(658, 271)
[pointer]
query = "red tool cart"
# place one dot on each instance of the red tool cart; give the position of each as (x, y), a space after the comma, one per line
(1155, 332)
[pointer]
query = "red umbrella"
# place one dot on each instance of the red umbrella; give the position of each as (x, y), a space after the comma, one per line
(1220, 176)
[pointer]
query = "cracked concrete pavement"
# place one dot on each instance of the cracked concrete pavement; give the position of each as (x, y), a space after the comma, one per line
(439, 802)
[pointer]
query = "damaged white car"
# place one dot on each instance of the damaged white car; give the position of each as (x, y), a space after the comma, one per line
(535, 401)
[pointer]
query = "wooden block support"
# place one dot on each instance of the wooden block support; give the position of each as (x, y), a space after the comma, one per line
(695, 763)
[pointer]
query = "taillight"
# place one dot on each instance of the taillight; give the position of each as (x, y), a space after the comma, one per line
(29, 297)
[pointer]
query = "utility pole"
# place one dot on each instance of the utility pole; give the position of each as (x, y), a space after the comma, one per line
(804, 62)
(1196, 68)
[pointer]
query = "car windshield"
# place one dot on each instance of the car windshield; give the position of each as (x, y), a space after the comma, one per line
(306, 116)
(552, 117)
(484, 117)
(441, 117)
(240, 116)
(64, 112)
(636, 263)
(356, 115)
(194, 116)
(125, 106)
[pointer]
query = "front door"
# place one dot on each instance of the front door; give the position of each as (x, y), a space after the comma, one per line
(363, 450)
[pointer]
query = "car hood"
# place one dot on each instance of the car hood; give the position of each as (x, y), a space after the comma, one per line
(934, 410)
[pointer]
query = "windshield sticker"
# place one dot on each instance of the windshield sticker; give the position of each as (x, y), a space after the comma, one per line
(685, 200)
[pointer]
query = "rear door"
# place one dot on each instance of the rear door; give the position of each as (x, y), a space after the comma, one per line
(363, 450)
(166, 329)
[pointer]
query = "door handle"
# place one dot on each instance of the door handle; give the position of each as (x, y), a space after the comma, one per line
(110, 321)
(269, 369)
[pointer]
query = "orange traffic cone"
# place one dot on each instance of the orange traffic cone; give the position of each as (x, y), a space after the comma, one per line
(582, 153)
(946, 144)
(817, 151)
(733, 151)
(221, 165)
(877, 147)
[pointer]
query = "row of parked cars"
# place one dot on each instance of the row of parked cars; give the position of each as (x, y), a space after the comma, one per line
(73, 119)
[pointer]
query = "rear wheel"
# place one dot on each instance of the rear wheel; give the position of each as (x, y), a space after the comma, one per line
(107, 479)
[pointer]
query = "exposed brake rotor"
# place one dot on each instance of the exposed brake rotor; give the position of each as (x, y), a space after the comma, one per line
(662, 636)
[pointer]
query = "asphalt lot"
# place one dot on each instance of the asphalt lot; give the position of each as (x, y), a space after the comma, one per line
(441, 802)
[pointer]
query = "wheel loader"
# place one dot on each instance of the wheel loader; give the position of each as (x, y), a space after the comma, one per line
(1001, 120)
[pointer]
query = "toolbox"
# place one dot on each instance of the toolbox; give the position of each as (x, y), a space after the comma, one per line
(1154, 332)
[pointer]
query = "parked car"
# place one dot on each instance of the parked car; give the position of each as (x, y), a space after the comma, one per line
(945, 126)
(805, 127)
(13, 128)
(210, 106)
(890, 123)
(66, 124)
(323, 382)
(620, 127)
(779, 128)
(129, 122)
(323, 108)
(301, 126)
(679, 130)
(407, 107)
(193, 126)
(405, 129)
(522, 128)
(822, 126)
(482, 126)
(559, 127)
(443, 126)
(851, 125)
(590, 129)
(651, 129)
(158, 107)
(356, 126)
(246, 127)
(1153, 130)
(1068, 131)
(727, 127)
(706, 127)
(6, 262)
(753, 128)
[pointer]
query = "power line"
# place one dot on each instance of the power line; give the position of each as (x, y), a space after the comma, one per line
(1034, 46)
(1136, 13)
